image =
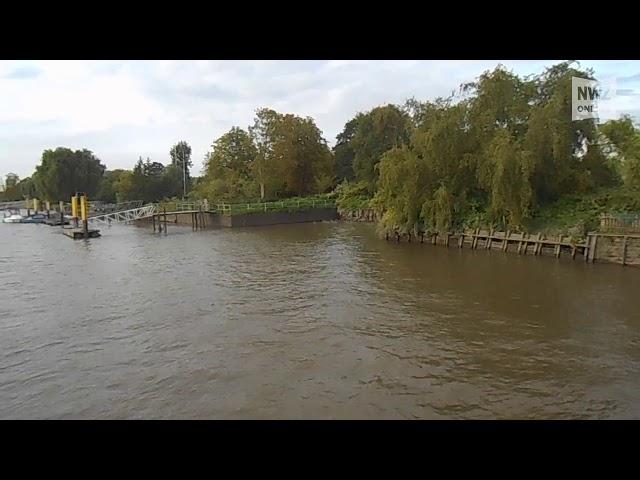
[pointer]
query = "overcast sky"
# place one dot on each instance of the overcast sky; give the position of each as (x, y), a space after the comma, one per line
(125, 109)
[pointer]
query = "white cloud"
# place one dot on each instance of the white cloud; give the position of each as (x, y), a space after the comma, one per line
(123, 109)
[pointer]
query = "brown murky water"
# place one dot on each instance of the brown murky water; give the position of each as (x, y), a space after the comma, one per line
(308, 321)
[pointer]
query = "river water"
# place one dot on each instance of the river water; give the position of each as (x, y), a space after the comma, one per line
(312, 321)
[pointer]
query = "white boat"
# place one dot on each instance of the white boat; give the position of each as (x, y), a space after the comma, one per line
(15, 218)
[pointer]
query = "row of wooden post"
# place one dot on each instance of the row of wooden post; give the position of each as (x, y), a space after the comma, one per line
(523, 243)
(160, 221)
(198, 220)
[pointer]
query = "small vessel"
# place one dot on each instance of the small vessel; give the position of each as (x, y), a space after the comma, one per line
(37, 218)
(14, 218)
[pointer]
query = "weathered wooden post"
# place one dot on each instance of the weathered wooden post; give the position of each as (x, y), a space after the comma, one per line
(624, 251)
(153, 221)
(558, 246)
(164, 210)
(521, 242)
(505, 240)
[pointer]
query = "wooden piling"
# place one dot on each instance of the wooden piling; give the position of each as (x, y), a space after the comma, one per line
(592, 249)
(523, 242)
(505, 240)
(153, 222)
(164, 210)
(624, 250)
(535, 244)
(558, 246)
(434, 238)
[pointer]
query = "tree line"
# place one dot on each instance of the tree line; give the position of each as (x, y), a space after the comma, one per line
(63, 172)
(494, 152)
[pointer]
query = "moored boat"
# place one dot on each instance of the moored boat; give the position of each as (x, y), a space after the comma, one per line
(14, 218)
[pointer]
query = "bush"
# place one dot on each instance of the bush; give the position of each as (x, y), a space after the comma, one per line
(353, 196)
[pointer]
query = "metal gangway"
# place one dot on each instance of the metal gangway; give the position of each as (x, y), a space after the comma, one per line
(124, 216)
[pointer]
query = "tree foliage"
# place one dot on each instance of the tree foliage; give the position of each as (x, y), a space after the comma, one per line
(506, 148)
(63, 172)
(624, 137)
(282, 155)
(377, 131)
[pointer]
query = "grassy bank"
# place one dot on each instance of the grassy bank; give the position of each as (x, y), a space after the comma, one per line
(578, 214)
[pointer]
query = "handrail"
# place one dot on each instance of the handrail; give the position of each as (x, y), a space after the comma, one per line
(125, 215)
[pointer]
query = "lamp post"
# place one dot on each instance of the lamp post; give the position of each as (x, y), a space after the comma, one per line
(184, 179)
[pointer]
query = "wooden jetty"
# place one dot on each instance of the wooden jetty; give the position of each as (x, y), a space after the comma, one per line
(78, 233)
(521, 243)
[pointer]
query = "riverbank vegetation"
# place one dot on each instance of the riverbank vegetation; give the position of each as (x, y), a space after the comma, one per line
(502, 151)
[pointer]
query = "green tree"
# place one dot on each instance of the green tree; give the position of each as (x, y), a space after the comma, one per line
(10, 192)
(107, 191)
(63, 172)
(302, 157)
(263, 134)
(292, 157)
(377, 132)
(229, 168)
(624, 137)
(344, 152)
(181, 158)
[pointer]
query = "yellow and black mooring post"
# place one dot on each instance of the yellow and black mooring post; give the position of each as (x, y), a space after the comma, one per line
(74, 210)
(84, 212)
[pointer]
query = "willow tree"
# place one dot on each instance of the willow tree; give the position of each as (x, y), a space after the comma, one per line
(378, 131)
(401, 190)
(510, 181)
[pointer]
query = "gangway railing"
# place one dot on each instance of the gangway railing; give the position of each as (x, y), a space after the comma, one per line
(124, 216)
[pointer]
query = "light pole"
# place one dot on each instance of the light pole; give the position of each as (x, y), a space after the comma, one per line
(184, 179)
